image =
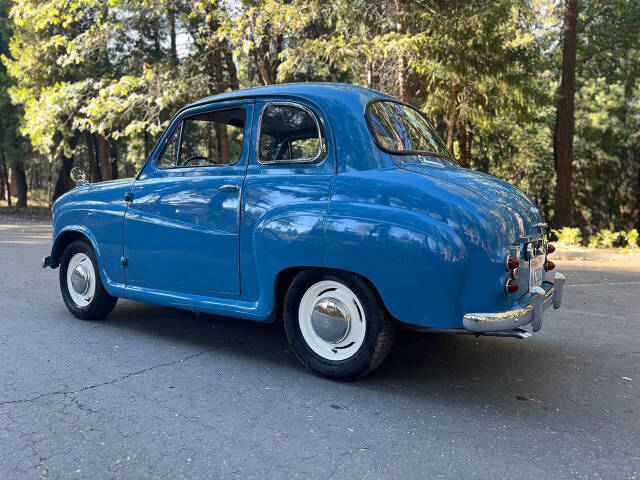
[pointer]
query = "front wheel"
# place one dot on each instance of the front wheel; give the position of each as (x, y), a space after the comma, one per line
(336, 324)
(81, 285)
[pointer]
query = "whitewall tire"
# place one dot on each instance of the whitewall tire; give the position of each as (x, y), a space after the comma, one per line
(336, 323)
(81, 285)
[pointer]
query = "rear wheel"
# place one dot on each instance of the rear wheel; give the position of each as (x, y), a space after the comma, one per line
(336, 324)
(81, 285)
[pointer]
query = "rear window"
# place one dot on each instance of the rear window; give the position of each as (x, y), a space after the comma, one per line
(399, 128)
(289, 134)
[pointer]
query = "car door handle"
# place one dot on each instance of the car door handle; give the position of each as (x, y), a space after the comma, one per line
(228, 187)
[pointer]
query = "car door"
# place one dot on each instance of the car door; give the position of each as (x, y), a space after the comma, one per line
(286, 192)
(182, 223)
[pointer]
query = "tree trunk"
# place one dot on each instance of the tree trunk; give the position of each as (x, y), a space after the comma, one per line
(5, 178)
(104, 157)
(94, 168)
(2, 188)
(172, 35)
(452, 117)
(267, 59)
(231, 69)
(64, 182)
(565, 121)
(462, 142)
(114, 160)
(218, 72)
(637, 209)
(469, 141)
(157, 50)
(147, 144)
(406, 81)
(19, 184)
(262, 56)
(451, 122)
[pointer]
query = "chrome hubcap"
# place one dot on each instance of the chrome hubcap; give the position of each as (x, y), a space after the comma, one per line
(330, 320)
(80, 279)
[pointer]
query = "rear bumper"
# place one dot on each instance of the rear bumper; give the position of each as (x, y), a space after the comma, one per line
(541, 299)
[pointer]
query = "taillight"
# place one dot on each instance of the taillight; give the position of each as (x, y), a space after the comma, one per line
(550, 248)
(511, 286)
(512, 262)
(549, 266)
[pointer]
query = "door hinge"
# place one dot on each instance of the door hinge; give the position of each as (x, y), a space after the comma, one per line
(123, 262)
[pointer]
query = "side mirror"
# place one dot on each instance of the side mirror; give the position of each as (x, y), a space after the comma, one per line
(79, 177)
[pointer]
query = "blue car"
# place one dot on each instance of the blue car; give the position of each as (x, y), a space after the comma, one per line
(335, 208)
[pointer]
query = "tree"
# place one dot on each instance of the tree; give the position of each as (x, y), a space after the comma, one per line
(90, 74)
(565, 119)
(94, 83)
(259, 31)
(12, 145)
(606, 178)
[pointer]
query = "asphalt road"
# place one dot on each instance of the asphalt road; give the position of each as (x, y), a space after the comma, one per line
(154, 392)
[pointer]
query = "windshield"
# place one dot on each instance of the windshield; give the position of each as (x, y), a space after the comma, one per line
(401, 129)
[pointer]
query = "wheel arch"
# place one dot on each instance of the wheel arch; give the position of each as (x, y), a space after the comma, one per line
(64, 239)
(285, 277)
(72, 233)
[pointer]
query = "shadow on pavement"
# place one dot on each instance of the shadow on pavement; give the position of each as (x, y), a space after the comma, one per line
(475, 373)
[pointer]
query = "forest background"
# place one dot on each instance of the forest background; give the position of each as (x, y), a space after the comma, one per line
(542, 93)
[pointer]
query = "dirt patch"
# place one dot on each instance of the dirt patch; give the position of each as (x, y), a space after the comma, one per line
(610, 256)
(25, 213)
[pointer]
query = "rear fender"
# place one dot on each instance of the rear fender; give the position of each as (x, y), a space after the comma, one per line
(417, 263)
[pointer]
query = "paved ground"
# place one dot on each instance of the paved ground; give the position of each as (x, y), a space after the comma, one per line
(159, 393)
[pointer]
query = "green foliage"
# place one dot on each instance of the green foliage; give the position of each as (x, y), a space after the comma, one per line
(604, 239)
(568, 236)
(485, 72)
(12, 145)
(607, 239)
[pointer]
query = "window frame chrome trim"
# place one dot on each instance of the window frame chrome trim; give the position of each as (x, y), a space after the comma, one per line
(426, 153)
(181, 127)
(305, 161)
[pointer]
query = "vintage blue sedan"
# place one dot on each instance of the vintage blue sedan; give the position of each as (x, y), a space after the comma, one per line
(335, 208)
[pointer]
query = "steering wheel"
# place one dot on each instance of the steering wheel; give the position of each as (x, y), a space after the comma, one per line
(192, 159)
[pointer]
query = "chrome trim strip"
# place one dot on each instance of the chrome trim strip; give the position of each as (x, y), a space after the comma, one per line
(298, 160)
(533, 313)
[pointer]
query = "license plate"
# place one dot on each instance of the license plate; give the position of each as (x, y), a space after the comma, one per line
(536, 269)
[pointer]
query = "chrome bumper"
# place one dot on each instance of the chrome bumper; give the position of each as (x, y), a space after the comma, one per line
(541, 298)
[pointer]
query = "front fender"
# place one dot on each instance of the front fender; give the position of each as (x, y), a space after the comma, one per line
(96, 212)
(68, 234)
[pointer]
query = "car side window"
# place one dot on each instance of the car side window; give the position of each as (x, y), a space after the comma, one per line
(207, 139)
(289, 134)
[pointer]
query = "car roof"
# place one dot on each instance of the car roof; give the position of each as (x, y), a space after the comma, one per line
(311, 90)
(344, 107)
